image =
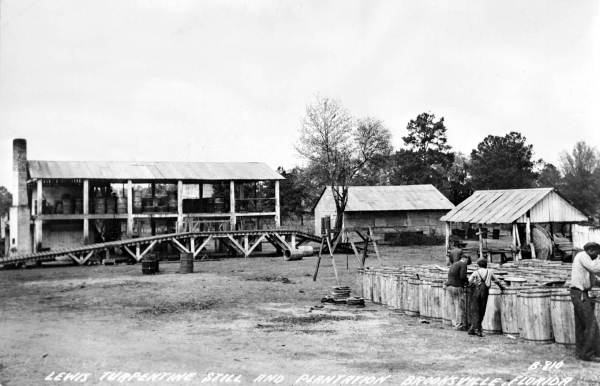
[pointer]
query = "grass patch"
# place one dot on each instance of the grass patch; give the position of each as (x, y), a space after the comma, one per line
(177, 307)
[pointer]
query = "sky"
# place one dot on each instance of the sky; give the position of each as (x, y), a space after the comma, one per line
(194, 80)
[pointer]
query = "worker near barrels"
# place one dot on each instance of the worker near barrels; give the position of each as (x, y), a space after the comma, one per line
(480, 282)
(455, 288)
(586, 266)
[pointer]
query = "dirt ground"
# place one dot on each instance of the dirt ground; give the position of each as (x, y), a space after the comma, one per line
(248, 319)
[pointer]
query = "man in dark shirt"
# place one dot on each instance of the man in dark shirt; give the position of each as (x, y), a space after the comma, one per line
(456, 294)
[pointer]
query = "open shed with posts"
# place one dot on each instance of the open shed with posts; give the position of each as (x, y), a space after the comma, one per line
(524, 222)
(60, 204)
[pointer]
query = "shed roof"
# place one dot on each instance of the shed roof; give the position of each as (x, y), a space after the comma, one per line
(395, 198)
(134, 170)
(509, 205)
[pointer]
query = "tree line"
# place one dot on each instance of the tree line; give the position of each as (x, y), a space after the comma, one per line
(340, 151)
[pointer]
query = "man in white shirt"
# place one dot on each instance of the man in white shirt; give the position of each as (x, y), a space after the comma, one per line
(586, 266)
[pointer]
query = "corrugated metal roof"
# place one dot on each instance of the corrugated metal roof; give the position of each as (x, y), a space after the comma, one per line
(387, 198)
(500, 206)
(116, 170)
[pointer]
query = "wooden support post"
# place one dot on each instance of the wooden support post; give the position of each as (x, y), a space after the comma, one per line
(232, 218)
(179, 206)
(293, 240)
(360, 264)
(129, 209)
(277, 205)
(86, 211)
(528, 240)
(517, 241)
(337, 279)
(447, 227)
(37, 237)
(480, 232)
(192, 245)
(319, 259)
(246, 248)
(372, 238)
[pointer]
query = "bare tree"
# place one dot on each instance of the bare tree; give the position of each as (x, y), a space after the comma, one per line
(339, 148)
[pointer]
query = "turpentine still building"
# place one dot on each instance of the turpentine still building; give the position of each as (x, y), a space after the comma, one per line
(65, 203)
(410, 207)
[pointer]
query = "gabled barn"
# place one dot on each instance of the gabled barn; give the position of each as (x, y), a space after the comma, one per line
(410, 207)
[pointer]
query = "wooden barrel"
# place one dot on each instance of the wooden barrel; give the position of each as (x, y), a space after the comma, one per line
(99, 205)
(492, 320)
(535, 320)
(149, 264)
(367, 286)
(360, 277)
(563, 316)
(412, 296)
(425, 298)
(384, 279)
(67, 203)
(448, 308)
(121, 205)
(437, 300)
(402, 289)
(509, 311)
(110, 205)
(186, 263)
(79, 205)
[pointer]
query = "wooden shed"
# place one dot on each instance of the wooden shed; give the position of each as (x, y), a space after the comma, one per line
(517, 209)
(410, 207)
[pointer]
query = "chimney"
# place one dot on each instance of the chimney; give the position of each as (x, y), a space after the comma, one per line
(19, 189)
(20, 214)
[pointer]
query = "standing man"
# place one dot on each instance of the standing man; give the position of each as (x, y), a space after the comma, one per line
(482, 281)
(455, 289)
(583, 276)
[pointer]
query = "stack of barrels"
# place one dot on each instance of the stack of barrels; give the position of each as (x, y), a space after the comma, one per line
(535, 306)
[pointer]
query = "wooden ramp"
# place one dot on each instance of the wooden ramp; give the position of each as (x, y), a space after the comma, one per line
(244, 242)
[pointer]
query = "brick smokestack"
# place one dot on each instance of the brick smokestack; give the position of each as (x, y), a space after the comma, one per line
(20, 212)
(19, 190)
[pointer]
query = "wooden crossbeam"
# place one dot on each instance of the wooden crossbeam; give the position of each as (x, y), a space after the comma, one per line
(201, 247)
(87, 257)
(360, 264)
(318, 259)
(258, 241)
(130, 252)
(337, 279)
(282, 240)
(147, 249)
(236, 244)
(180, 246)
(75, 258)
(375, 246)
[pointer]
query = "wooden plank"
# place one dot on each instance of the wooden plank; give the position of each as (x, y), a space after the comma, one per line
(337, 279)
(129, 208)
(201, 247)
(180, 246)
(87, 257)
(129, 251)
(236, 244)
(374, 247)
(277, 205)
(356, 254)
(258, 241)
(75, 259)
(147, 249)
(318, 260)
